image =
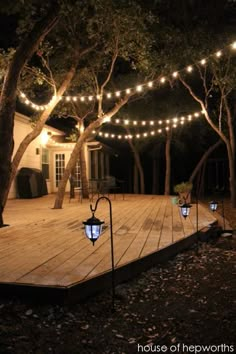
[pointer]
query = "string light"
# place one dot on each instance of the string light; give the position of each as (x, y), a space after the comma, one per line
(155, 122)
(138, 88)
(169, 123)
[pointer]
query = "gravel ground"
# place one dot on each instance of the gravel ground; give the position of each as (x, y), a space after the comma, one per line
(182, 307)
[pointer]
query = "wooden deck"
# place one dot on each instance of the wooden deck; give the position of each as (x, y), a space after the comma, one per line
(44, 247)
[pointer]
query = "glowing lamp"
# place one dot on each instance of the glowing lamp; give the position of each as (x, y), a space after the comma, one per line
(93, 228)
(185, 209)
(213, 205)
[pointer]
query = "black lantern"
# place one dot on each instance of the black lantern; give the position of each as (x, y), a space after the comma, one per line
(93, 228)
(213, 205)
(185, 209)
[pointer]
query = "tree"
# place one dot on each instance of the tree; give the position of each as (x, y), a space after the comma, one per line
(9, 90)
(218, 81)
(123, 49)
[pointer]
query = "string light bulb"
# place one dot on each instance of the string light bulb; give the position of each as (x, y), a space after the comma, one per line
(189, 69)
(233, 45)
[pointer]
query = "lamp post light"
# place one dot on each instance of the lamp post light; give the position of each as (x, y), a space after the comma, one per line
(185, 209)
(93, 230)
(213, 206)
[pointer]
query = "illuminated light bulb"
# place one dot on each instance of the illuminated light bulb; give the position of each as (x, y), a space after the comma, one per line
(74, 98)
(151, 122)
(175, 74)
(189, 69)
(106, 119)
(90, 98)
(112, 135)
(119, 136)
(60, 98)
(117, 121)
(219, 53)
(139, 88)
(167, 128)
(189, 116)
(100, 133)
(82, 99)
(145, 134)
(143, 122)
(94, 131)
(174, 125)
(160, 122)
(203, 111)
(130, 136)
(203, 61)
(127, 90)
(117, 93)
(182, 118)
(106, 135)
(150, 84)
(152, 132)
(27, 102)
(37, 108)
(126, 121)
(126, 136)
(134, 122)
(67, 98)
(98, 97)
(233, 45)
(33, 105)
(138, 136)
(109, 95)
(22, 94)
(167, 121)
(175, 120)
(162, 80)
(159, 130)
(196, 114)
(182, 122)
(42, 108)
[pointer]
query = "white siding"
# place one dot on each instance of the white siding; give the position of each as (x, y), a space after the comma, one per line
(31, 159)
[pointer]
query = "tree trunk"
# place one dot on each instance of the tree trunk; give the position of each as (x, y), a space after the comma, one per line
(154, 176)
(78, 146)
(135, 179)
(72, 162)
(203, 159)
(139, 166)
(8, 96)
(231, 176)
(168, 163)
(83, 171)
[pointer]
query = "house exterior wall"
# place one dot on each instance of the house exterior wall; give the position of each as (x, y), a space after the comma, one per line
(33, 154)
(32, 157)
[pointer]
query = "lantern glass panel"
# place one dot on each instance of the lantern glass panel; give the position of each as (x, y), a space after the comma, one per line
(93, 231)
(213, 205)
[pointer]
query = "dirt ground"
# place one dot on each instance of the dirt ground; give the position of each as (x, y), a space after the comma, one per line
(187, 305)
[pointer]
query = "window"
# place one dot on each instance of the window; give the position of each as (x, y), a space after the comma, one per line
(59, 166)
(45, 163)
(77, 175)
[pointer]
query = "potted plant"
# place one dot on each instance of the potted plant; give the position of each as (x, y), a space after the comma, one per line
(184, 191)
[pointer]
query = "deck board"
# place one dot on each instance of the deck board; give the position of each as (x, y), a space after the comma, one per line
(44, 246)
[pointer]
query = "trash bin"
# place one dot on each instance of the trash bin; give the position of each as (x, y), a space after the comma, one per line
(31, 183)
